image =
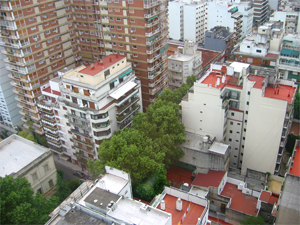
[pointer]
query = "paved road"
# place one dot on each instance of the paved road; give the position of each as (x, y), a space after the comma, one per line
(68, 171)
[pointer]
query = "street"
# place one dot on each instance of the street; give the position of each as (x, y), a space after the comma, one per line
(68, 175)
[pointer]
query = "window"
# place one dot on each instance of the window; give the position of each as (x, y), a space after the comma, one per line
(47, 32)
(40, 190)
(51, 183)
(244, 138)
(243, 146)
(247, 103)
(133, 38)
(121, 45)
(236, 140)
(46, 168)
(120, 36)
(244, 129)
(248, 93)
(134, 46)
(230, 131)
(232, 114)
(242, 154)
(33, 28)
(49, 40)
(37, 45)
(231, 123)
(229, 139)
(259, 51)
(245, 121)
(235, 156)
(248, 46)
(118, 19)
(34, 177)
(132, 21)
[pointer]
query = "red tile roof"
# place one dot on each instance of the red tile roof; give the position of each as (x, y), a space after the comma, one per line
(271, 56)
(191, 216)
(239, 201)
(98, 67)
(295, 128)
(265, 196)
(211, 179)
(179, 176)
(295, 170)
(212, 79)
(282, 92)
(48, 89)
(258, 81)
(218, 220)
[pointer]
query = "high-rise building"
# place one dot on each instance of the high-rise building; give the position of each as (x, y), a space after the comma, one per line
(261, 11)
(87, 105)
(251, 113)
(38, 39)
(10, 118)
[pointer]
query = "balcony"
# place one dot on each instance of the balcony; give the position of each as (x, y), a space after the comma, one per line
(175, 69)
(163, 78)
(152, 33)
(122, 118)
(48, 105)
(53, 137)
(76, 106)
(148, 25)
(148, 5)
(102, 135)
(25, 101)
(154, 58)
(5, 8)
(53, 143)
(50, 129)
(50, 122)
(101, 127)
(56, 149)
(85, 149)
(157, 73)
(158, 87)
(147, 16)
(81, 134)
(83, 125)
(82, 141)
(124, 107)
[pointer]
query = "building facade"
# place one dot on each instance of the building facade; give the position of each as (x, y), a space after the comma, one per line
(261, 11)
(218, 39)
(23, 158)
(290, 19)
(9, 111)
(186, 62)
(87, 105)
(231, 104)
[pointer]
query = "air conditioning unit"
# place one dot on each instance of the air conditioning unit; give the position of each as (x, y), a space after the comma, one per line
(35, 39)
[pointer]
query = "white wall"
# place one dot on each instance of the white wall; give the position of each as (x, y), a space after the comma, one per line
(189, 24)
(175, 20)
(266, 115)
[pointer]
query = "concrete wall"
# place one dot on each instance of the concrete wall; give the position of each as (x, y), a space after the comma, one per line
(213, 43)
(189, 27)
(175, 20)
(266, 115)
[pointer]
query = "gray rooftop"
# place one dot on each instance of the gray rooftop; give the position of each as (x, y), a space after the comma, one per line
(101, 198)
(16, 153)
(289, 204)
(218, 148)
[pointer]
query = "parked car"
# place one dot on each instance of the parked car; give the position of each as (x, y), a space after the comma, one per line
(81, 174)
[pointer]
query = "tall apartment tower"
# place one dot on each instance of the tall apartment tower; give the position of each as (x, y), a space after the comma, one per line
(86, 105)
(138, 30)
(261, 11)
(37, 40)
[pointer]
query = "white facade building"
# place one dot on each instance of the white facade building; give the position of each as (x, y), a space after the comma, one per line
(93, 103)
(251, 113)
(291, 19)
(20, 157)
(187, 20)
(9, 111)
(186, 61)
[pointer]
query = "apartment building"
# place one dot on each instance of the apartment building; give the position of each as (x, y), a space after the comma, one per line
(289, 58)
(10, 118)
(36, 37)
(251, 113)
(262, 48)
(186, 62)
(290, 19)
(20, 157)
(218, 39)
(221, 14)
(87, 105)
(261, 11)
(187, 20)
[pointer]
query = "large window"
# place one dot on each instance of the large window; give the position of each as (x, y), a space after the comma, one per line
(34, 177)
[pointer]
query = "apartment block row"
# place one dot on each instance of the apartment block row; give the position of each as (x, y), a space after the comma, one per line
(84, 106)
(40, 38)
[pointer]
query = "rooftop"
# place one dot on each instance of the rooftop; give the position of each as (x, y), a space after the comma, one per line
(48, 89)
(239, 201)
(212, 179)
(295, 169)
(212, 78)
(16, 153)
(195, 211)
(179, 176)
(101, 198)
(134, 212)
(97, 67)
(239, 66)
(218, 148)
(258, 81)
(112, 183)
(282, 92)
(266, 196)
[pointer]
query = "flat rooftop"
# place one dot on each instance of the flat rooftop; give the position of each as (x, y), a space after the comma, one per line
(218, 148)
(282, 92)
(267, 197)
(135, 212)
(212, 79)
(239, 201)
(195, 210)
(179, 176)
(211, 179)
(97, 67)
(112, 183)
(16, 153)
(295, 170)
(238, 66)
(257, 79)
(101, 198)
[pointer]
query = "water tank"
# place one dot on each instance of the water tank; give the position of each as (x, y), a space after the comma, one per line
(205, 139)
(162, 205)
(178, 204)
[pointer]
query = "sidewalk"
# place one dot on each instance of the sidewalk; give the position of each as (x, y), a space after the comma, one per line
(66, 163)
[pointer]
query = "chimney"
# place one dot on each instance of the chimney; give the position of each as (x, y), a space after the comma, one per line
(162, 205)
(92, 66)
(218, 81)
(117, 56)
(110, 59)
(223, 79)
(178, 204)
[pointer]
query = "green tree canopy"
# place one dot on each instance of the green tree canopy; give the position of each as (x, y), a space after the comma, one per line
(190, 80)
(132, 152)
(28, 136)
(297, 106)
(19, 206)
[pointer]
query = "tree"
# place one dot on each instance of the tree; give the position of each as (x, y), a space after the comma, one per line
(73, 184)
(190, 80)
(251, 220)
(297, 106)
(28, 136)
(41, 140)
(19, 206)
(290, 144)
(132, 152)
(62, 191)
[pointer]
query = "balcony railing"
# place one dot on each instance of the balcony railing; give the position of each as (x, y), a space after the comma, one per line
(148, 5)
(122, 118)
(126, 106)
(81, 134)
(152, 14)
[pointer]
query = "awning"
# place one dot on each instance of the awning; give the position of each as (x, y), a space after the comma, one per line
(286, 52)
(154, 36)
(123, 75)
(152, 18)
(122, 90)
(164, 48)
(295, 53)
(129, 98)
(113, 81)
